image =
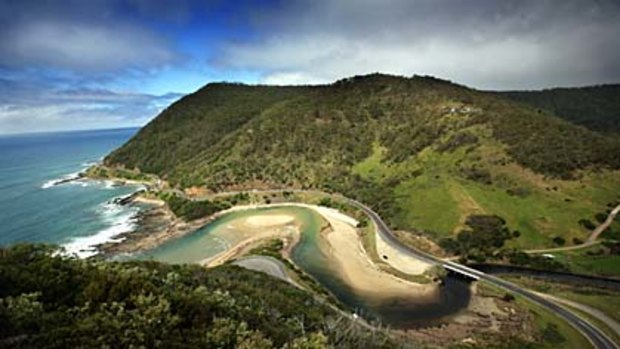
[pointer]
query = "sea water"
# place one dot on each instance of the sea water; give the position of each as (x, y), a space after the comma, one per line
(77, 214)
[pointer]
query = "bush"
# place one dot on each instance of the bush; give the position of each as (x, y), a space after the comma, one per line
(483, 240)
(600, 217)
(478, 175)
(586, 223)
(552, 335)
(59, 302)
(190, 209)
(508, 297)
(558, 240)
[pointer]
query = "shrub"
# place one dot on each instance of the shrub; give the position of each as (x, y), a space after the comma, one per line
(558, 240)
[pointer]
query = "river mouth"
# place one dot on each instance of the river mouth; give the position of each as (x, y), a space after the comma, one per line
(395, 304)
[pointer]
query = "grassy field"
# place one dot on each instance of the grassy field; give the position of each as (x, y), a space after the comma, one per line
(433, 196)
(553, 332)
(580, 261)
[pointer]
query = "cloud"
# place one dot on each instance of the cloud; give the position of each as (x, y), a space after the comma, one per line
(30, 108)
(486, 44)
(66, 64)
(84, 47)
(85, 37)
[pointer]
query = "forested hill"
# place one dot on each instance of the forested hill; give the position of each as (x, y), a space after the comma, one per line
(595, 107)
(397, 143)
(231, 133)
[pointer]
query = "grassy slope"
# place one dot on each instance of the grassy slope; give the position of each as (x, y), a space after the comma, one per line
(439, 200)
(391, 142)
(580, 262)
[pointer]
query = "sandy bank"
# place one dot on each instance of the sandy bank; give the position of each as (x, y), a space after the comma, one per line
(342, 245)
(398, 259)
(355, 266)
(269, 220)
(249, 232)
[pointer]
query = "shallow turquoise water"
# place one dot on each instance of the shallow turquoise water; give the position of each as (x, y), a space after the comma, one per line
(308, 255)
(33, 210)
(203, 243)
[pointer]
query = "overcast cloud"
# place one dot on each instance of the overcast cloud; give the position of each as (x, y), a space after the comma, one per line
(75, 64)
(485, 44)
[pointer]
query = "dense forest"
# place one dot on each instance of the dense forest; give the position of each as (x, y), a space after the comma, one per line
(594, 107)
(50, 301)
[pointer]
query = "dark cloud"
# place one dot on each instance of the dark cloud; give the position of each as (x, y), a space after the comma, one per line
(484, 43)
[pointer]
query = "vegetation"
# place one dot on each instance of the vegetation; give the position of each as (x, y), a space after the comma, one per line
(605, 300)
(117, 173)
(424, 153)
(190, 209)
(49, 301)
(601, 259)
(483, 240)
(595, 107)
(550, 331)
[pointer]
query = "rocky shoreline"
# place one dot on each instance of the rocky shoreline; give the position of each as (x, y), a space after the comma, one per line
(155, 224)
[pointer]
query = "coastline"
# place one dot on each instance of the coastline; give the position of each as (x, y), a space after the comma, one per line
(121, 215)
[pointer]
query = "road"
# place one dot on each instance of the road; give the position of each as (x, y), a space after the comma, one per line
(601, 228)
(592, 239)
(599, 339)
(613, 324)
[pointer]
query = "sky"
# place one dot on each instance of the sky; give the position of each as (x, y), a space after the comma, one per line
(86, 64)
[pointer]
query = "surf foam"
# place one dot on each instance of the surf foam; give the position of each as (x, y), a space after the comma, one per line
(119, 219)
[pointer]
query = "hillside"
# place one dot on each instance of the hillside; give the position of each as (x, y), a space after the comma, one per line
(424, 152)
(595, 107)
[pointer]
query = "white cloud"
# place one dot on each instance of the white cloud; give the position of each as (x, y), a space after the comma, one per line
(86, 47)
(34, 108)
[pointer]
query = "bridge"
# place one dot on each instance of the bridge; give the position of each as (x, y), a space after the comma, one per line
(460, 271)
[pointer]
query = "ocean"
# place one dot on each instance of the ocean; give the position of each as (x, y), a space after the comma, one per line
(77, 214)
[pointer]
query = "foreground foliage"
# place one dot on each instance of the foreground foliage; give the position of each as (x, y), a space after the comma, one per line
(60, 302)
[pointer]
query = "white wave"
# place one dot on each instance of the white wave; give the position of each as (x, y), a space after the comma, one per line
(64, 179)
(71, 177)
(88, 164)
(118, 219)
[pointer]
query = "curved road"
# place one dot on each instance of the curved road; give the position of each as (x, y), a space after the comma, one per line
(598, 339)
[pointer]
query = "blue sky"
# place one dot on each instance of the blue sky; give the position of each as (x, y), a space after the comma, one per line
(82, 64)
